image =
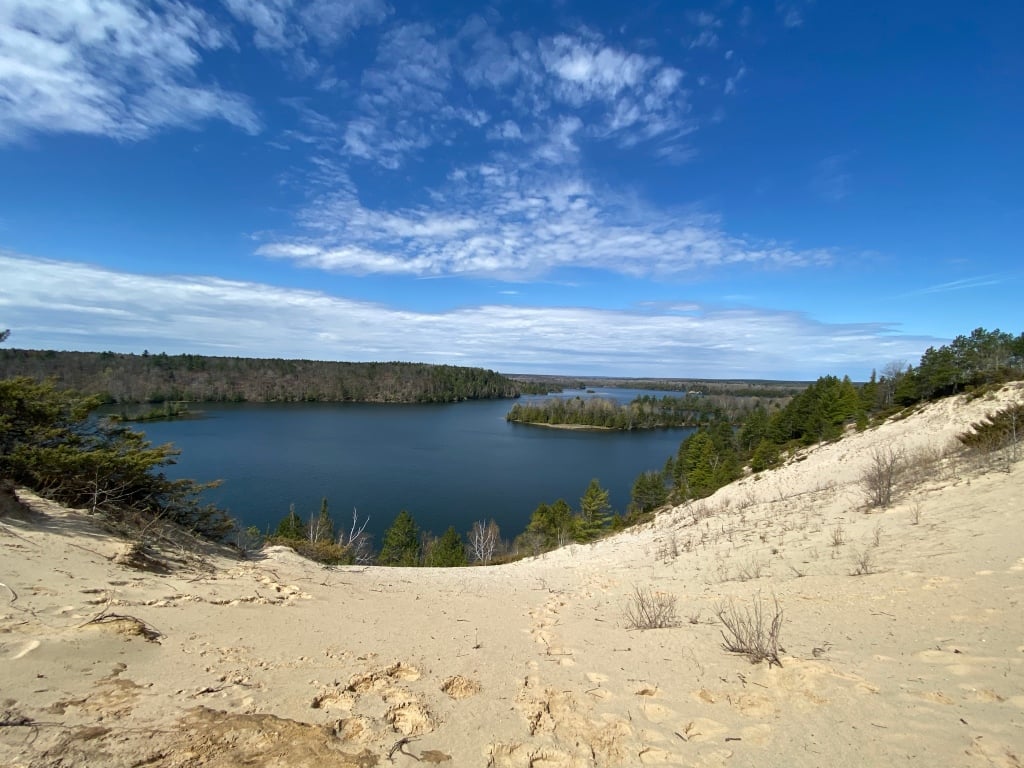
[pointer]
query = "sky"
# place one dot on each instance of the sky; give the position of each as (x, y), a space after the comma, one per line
(723, 189)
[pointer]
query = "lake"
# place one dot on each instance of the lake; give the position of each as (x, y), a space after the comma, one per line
(447, 464)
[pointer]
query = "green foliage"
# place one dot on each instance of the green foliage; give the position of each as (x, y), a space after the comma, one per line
(595, 511)
(401, 544)
(291, 527)
(643, 412)
(449, 551)
(765, 456)
(706, 461)
(983, 357)
(649, 492)
(555, 524)
(49, 443)
(1002, 430)
(157, 378)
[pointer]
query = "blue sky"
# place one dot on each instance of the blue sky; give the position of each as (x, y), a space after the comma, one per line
(720, 189)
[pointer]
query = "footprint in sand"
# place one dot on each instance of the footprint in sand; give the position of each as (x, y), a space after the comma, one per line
(657, 713)
(459, 687)
(380, 679)
(598, 680)
(702, 729)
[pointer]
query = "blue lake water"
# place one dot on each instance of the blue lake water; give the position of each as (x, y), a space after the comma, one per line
(446, 464)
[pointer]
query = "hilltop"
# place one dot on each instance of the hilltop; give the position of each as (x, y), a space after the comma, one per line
(186, 657)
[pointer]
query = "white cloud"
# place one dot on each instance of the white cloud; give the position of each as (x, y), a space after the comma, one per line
(61, 305)
(330, 21)
(507, 130)
(585, 70)
(505, 220)
(290, 24)
(733, 81)
(112, 68)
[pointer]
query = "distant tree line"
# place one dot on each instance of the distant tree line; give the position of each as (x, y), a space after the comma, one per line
(146, 378)
(643, 412)
(544, 384)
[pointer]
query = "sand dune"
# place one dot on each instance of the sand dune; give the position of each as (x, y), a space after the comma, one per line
(275, 661)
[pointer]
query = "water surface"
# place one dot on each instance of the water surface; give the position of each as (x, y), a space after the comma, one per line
(446, 464)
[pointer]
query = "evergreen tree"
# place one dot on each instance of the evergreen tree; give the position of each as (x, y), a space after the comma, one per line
(291, 526)
(595, 510)
(447, 551)
(401, 544)
(649, 493)
(555, 523)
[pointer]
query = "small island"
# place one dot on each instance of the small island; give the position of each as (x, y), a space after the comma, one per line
(643, 412)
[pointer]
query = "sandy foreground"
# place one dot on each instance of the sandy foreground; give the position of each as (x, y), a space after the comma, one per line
(275, 661)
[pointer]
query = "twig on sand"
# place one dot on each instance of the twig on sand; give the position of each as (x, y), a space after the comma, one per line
(399, 747)
(149, 632)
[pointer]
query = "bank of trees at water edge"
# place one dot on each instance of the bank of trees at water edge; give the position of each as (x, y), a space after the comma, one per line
(146, 378)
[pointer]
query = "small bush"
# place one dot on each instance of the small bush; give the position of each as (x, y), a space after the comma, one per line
(863, 563)
(880, 478)
(838, 536)
(752, 631)
(648, 609)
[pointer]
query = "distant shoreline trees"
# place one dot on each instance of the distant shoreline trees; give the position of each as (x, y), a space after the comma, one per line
(643, 412)
(146, 378)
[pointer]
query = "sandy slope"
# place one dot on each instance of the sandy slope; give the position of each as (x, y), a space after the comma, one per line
(279, 662)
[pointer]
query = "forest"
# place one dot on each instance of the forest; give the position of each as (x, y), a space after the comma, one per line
(128, 378)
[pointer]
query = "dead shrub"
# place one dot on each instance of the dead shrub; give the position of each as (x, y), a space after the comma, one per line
(879, 480)
(753, 630)
(863, 563)
(648, 609)
(838, 535)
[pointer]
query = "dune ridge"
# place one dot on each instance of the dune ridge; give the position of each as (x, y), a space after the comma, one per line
(207, 660)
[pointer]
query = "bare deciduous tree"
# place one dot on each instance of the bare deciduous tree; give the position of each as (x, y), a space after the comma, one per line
(483, 541)
(358, 542)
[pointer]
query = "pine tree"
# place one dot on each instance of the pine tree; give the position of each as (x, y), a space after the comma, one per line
(401, 542)
(291, 527)
(447, 551)
(595, 510)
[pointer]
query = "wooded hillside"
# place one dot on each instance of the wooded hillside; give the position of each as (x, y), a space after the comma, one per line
(128, 378)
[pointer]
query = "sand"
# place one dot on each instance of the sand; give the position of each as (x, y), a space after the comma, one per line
(208, 660)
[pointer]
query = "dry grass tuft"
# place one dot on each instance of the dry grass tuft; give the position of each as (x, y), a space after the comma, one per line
(648, 609)
(752, 630)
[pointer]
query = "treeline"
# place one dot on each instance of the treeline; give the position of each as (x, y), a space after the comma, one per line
(145, 378)
(544, 384)
(405, 544)
(643, 412)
